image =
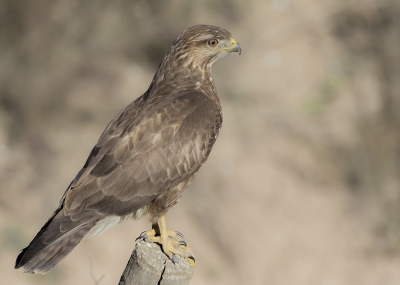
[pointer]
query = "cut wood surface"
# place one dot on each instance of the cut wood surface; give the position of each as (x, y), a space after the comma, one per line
(149, 265)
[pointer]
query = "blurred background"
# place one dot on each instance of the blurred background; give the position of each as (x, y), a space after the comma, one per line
(303, 184)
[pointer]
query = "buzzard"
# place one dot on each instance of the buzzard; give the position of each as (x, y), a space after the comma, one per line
(147, 155)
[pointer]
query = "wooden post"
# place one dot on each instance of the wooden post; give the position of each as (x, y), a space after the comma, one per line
(148, 265)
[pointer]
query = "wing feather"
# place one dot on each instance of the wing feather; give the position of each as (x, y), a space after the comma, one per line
(146, 150)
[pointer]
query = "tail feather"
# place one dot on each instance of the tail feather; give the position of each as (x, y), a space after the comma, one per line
(43, 253)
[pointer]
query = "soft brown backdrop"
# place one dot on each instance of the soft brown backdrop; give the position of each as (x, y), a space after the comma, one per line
(302, 186)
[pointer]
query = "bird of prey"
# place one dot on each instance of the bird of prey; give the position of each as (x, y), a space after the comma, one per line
(147, 155)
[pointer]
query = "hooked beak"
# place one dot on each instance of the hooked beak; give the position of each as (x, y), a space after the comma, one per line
(235, 47)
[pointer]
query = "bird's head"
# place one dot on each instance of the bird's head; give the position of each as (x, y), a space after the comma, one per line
(203, 45)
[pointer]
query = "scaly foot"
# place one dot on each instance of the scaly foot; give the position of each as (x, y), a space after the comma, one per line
(172, 234)
(172, 242)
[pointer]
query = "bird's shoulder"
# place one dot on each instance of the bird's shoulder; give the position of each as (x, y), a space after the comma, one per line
(148, 147)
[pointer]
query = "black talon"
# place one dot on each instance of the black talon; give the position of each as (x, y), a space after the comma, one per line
(143, 235)
(191, 256)
(180, 234)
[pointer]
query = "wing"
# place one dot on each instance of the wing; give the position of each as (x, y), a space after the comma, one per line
(148, 148)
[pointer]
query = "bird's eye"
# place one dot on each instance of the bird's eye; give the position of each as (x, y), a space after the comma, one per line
(212, 43)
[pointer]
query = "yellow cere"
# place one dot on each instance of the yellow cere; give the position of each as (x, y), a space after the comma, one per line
(233, 43)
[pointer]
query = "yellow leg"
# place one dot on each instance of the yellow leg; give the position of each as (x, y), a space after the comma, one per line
(169, 241)
(170, 247)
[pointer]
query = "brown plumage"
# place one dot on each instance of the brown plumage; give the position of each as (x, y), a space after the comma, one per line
(147, 155)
